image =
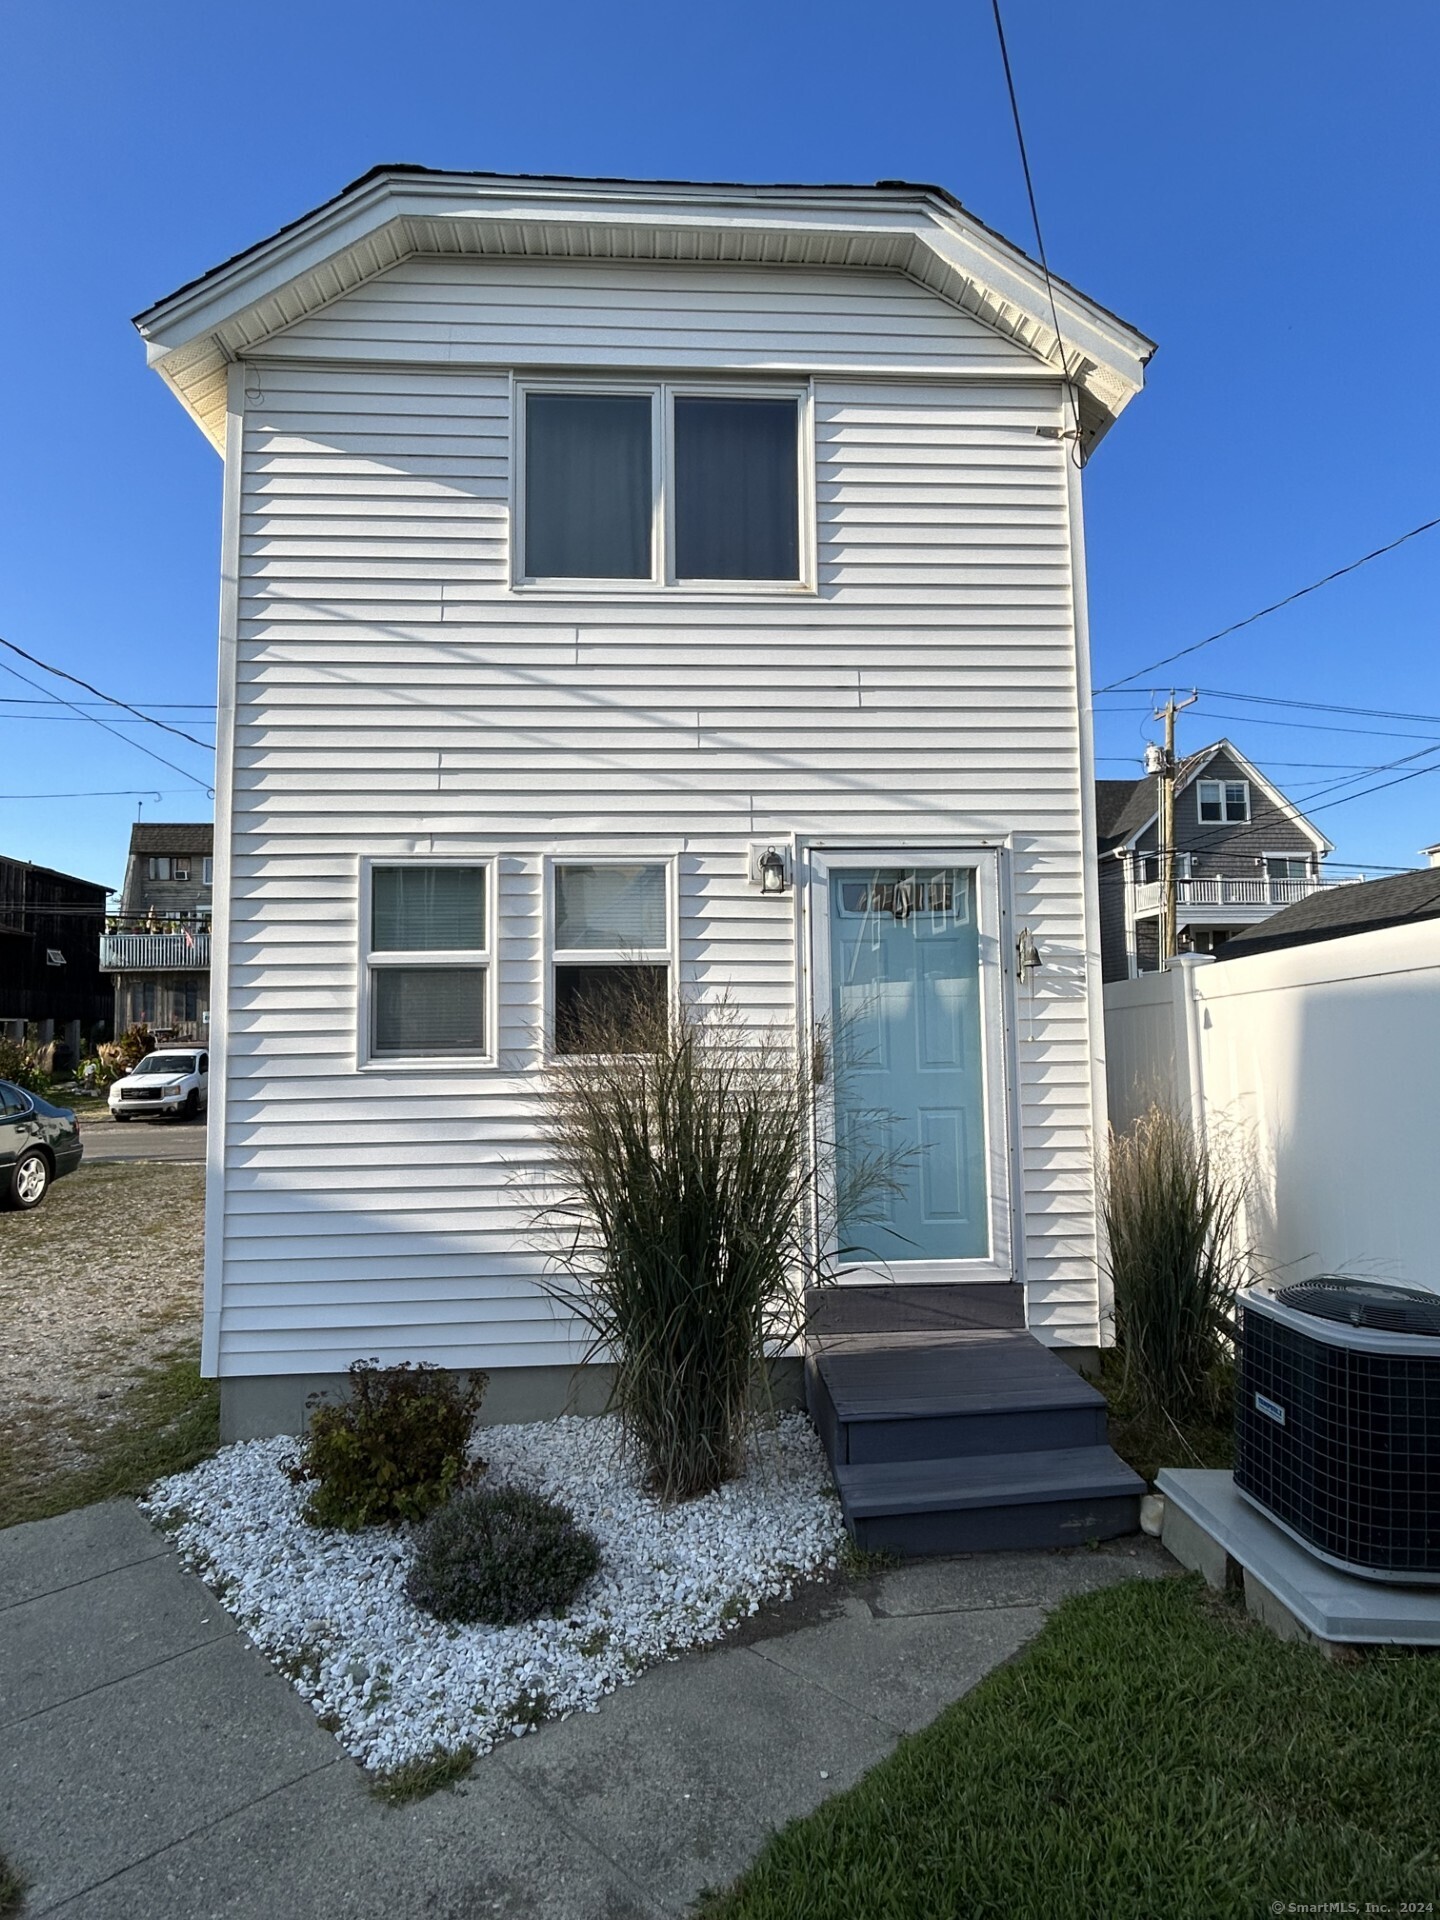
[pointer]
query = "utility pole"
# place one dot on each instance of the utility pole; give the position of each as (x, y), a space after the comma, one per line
(1161, 762)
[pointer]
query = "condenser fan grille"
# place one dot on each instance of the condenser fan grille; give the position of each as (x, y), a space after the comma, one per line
(1342, 1445)
(1366, 1303)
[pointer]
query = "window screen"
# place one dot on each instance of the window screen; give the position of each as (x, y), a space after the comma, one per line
(588, 486)
(437, 908)
(432, 1007)
(429, 1009)
(737, 498)
(613, 909)
(621, 1002)
(615, 917)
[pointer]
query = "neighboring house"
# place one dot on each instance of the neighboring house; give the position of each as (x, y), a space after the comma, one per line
(1242, 852)
(158, 946)
(592, 551)
(1432, 854)
(49, 960)
(1396, 901)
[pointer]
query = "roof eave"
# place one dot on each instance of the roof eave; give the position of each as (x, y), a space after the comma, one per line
(382, 218)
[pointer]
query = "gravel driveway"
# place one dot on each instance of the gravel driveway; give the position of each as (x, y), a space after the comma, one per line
(102, 1278)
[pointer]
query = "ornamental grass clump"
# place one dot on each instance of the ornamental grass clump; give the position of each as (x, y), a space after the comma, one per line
(691, 1164)
(392, 1452)
(1172, 1206)
(501, 1556)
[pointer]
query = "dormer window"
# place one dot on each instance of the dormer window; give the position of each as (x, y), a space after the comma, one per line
(1224, 802)
(662, 485)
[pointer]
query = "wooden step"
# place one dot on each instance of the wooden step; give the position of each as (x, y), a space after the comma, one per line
(893, 1307)
(1054, 1498)
(899, 1396)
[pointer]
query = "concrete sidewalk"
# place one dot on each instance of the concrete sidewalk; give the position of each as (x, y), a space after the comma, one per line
(154, 1767)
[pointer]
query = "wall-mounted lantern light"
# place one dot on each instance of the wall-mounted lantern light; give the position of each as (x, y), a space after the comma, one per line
(1027, 954)
(770, 869)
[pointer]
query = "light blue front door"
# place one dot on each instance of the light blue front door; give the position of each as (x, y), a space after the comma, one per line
(905, 1011)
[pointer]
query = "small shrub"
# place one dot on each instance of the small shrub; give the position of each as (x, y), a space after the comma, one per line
(394, 1451)
(691, 1155)
(25, 1063)
(501, 1556)
(1172, 1206)
(115, 1058)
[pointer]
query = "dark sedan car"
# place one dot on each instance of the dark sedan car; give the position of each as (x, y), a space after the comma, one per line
(38, 1142)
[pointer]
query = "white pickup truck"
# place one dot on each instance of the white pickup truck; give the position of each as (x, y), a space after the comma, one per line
(171, 1080)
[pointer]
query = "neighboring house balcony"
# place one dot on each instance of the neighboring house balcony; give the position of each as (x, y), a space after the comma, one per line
(166, 949)
(1223, 898)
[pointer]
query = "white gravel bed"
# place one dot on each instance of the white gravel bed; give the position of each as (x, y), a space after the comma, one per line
(396, 1685)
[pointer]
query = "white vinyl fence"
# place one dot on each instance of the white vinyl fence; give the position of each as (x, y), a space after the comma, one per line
(1321, 1065)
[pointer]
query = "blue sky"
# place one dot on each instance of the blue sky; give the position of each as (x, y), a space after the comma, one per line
(1253, 186)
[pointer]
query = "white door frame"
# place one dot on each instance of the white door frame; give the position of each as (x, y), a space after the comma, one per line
(815, 872)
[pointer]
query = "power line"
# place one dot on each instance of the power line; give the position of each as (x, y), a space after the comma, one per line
(1317, 766)
(102, 793)
(1080, 454)
(114, 732)
(1304, 726)
(1299, 594)
(110, 698)
(1334, 786)
(79, 713)
(1379, 787)
(1313, 706)
(163, 706)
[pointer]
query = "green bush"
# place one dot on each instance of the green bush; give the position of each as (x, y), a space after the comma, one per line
(501, 1556)
(394, 1451)
(1172, 1206)
(25, 1063)
(115, 1058)
(690, 1158)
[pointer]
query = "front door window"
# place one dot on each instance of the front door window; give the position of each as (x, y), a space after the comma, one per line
(905, 1009)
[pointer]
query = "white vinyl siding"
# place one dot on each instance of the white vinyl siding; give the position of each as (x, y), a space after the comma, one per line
(586, 313)
(397, 699)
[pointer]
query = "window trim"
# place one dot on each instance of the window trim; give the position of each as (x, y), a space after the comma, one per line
(663, 394)
(1224, 820)
(367, 1059)
(553, 955)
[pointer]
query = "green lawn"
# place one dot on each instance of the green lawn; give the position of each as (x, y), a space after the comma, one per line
(169, 1419)
(1154, 1755)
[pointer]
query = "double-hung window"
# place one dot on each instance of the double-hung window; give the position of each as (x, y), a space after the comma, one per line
(610, 952)
(428, 964)
(663, 485)
(1224, 801)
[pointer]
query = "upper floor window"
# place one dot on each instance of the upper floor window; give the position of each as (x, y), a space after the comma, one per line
(661, 485)
(168, 866)
(207, 871)
(1224, 801)
(1287, 866)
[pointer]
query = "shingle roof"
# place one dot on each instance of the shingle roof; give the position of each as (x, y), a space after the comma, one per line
(1340, 910)
(172, 836)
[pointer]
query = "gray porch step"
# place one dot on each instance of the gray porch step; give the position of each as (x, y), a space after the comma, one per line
(1052, 1498)
(915, 1397)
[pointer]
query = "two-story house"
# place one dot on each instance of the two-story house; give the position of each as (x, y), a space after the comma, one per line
(667, 577)
(49, 960)
(1242, 852)
(157, 947)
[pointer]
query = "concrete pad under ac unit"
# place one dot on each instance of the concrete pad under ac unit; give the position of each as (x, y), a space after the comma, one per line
(1207, 1523)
